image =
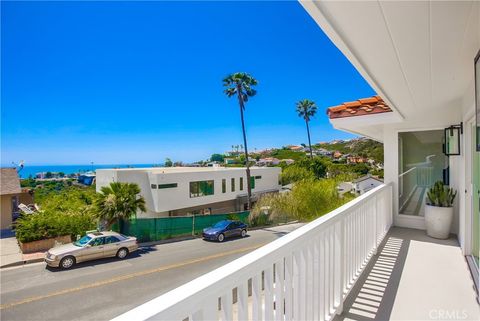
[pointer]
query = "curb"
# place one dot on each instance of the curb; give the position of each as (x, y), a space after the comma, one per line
(25, 262)
(166, 241)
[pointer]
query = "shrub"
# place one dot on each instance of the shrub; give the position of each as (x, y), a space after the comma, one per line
(308, 200)
(259, 220)
(63, 212)
(49, 224)
(233, 217)
(294, 173)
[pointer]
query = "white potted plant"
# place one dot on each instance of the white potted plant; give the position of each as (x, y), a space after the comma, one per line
(439, 210)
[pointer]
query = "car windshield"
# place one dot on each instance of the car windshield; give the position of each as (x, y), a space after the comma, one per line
(221, 224)
(84, 240)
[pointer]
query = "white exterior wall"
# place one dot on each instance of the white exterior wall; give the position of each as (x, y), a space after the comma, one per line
(160, 201)
(460, 166)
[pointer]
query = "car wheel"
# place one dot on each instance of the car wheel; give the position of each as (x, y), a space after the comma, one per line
(244, 233)
(221, 237)
(67, 262)
(122, 253)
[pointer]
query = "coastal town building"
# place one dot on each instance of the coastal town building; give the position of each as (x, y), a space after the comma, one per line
(11, 195)
(229, 161)
(364, 184)
(352, 159)
(287, 161)
(337, 154)
(268, 161)
(177, 191)
(296, 148)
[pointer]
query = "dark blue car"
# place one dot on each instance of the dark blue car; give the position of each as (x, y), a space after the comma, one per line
(224, 229)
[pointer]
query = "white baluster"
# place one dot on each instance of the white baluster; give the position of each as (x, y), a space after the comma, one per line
(226, 299)
(268, 293)
(242, 301)
(279, 288)
(303, 284)
(316, 280)
(288, 288)
(256, 298)
(340, 264)
(309, 282)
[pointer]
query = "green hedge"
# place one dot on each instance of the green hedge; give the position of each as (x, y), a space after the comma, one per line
(44, 225)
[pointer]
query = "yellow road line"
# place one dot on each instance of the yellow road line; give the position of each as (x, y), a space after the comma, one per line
(127, 277)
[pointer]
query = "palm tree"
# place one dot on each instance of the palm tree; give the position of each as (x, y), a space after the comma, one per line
(241, 84)
(118, 201)
(307, 109)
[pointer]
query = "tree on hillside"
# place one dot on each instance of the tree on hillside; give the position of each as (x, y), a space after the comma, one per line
(307, 109)
(316, 165)
(168, 162)
(118, 201)
(241, 84)
(217, 158)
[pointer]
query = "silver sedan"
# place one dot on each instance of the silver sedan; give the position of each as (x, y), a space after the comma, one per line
(90, 247)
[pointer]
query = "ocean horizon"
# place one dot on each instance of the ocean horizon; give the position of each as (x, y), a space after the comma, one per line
(32, 170)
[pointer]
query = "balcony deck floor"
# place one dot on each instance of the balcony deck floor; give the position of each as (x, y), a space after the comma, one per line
(413, 277)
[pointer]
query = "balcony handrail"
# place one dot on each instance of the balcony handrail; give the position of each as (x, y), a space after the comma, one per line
(199, 297)
(406, 172)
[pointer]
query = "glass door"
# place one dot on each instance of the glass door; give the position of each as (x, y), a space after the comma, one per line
(475, 201)
(421, 164)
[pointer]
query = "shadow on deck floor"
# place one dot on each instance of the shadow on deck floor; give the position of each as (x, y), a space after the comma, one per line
(413, 277)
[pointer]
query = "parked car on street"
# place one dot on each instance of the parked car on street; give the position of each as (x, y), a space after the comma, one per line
(224, 229)
(92, 246)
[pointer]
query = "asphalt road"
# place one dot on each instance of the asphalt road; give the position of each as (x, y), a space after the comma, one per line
(103, 289)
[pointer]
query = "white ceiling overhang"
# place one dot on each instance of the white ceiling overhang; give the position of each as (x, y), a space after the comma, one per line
(417, 55)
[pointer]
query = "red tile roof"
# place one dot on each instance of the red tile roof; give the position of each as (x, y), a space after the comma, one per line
(365, 106)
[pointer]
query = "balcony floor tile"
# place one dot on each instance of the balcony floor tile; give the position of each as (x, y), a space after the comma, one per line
(414, 277)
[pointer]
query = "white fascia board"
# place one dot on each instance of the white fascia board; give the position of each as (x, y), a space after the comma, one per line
(370, 126)
(366, 120)
(328, 27)
(373, 132)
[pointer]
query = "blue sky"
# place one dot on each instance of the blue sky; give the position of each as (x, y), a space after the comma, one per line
(123, 82)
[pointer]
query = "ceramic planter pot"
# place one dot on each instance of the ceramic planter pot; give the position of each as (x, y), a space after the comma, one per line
(438, 221)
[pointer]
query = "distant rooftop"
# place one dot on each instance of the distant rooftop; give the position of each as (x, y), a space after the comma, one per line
(178, 169)
(9, 181)
(364, 106)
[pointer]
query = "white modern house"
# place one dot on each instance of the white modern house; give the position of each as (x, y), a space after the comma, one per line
(365, 183)
(371, 259)
(174, 191)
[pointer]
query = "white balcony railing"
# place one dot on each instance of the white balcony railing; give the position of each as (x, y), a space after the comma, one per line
(304, 275)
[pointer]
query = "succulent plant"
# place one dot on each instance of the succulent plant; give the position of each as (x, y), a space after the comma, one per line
(441, 195)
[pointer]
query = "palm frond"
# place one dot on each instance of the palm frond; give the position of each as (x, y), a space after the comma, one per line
(306, 108)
